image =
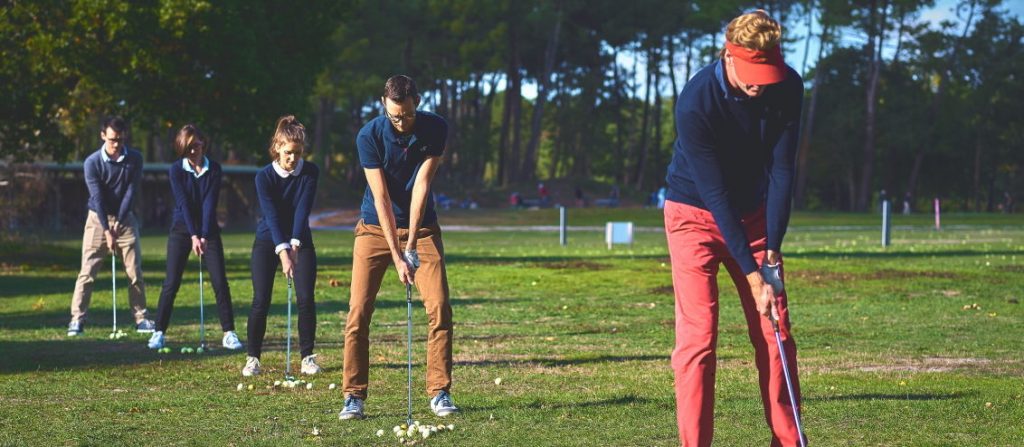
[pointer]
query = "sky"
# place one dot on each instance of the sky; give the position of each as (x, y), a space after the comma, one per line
(794, 55)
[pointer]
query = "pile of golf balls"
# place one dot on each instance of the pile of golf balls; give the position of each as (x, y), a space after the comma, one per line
(164, 350)
(293, 384)
(118, 335)
(187, 350)
(409, 433)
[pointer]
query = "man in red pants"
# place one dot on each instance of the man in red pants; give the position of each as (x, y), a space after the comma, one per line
(729, 188)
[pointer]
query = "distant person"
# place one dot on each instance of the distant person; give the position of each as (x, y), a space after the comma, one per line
(286, 189)
(400, 152)
(906, 204)
(112, 175)
(542, 192)
(195, 182)
(581, 200)
(729, 192)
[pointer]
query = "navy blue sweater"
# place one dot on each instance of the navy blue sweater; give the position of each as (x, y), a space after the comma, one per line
(195, 198)
(286, 204)
(736, 154)
(112, 184)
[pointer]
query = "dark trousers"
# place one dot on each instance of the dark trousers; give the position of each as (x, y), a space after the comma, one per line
(265, 267)
(179, 246)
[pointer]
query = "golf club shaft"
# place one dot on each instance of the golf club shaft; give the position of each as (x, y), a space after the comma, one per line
(789, 382)
(202, 320)
(288, 354)
(408, 302)
(113, 289)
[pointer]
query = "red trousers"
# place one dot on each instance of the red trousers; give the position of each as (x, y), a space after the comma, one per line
(697, 249)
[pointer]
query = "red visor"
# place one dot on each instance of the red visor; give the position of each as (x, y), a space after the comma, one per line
(757, 67)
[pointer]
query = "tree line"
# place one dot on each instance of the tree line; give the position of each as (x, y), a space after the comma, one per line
(893, 101)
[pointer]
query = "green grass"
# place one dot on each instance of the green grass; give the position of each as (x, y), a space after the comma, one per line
(580, 337)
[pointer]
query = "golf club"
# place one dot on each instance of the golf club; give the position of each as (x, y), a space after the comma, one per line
(113, 290)
(408, 302)
(789, 381)
(288, 349)
(202, 320)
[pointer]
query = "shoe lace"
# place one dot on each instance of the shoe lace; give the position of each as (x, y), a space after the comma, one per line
(351, 404)
(444, 400)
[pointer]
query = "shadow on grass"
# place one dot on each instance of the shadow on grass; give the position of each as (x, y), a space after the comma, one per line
(56, 355)
(541, 362)
(896, 254)
(883, 396)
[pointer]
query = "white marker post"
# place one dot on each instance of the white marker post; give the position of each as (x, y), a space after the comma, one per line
(563, 227)
(938, 225)
(886, 223)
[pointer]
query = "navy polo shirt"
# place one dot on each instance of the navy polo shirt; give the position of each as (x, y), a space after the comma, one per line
(400, 157)
(735, 154)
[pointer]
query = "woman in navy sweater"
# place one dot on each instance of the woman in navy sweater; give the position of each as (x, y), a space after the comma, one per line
(285, 188)
(195, 182)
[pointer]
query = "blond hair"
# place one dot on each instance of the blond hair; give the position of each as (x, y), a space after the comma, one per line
(754, 30)
(289, 130)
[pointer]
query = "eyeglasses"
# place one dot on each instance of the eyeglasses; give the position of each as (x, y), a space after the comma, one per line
(399, 118)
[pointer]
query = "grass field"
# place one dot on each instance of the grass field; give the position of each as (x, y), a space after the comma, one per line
(580, 337)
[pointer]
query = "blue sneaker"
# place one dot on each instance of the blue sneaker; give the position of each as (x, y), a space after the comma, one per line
(442, 404)
(353, 409)
(157, 340)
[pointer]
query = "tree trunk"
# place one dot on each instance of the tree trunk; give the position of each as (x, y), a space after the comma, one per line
(529, 166)
(800, 195)
(325, 108)
(934, 107)
(620, 134)
(641, 159)
(877, 32)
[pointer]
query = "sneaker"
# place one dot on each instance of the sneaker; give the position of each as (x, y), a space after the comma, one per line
(230, 341)
(442, 404)
(353, 409)
(252, 366)
(75, 328)
(145, 326)
(157, 340)
(309, 365)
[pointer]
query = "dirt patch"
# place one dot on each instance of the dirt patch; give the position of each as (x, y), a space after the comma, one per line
(930, 365)
(661, 290)
(573, 265)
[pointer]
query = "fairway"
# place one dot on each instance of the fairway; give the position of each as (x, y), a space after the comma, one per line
(892, 349)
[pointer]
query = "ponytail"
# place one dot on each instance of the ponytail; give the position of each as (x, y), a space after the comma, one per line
(289, 130)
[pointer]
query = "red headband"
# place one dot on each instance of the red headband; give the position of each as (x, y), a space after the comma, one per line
(757, 67)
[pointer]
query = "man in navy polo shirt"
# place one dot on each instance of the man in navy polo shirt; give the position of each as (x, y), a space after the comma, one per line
(113, 175)
(728, 203)
(400, 152)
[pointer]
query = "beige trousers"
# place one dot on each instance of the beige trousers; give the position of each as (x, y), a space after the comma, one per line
(94, 250)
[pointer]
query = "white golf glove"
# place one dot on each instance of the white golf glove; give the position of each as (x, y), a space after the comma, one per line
(412, 258)
(771, 275)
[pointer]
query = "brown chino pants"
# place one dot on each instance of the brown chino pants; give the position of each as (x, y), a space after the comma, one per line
(370, 259)
(94, 251)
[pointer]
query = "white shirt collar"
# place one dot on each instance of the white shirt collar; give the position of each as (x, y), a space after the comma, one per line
(284, 174)
(188, 166)
(120, 158)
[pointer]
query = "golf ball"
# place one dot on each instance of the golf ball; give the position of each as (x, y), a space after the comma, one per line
(497, 381)
(309, 386)
(239, 387)
(184, 350)
(250, 387)
(380, 433)
(333, 386)
(112, 335)
(277, 383)
(200, 350)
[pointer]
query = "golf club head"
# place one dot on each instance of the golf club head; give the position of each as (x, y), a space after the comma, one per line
(289, 377)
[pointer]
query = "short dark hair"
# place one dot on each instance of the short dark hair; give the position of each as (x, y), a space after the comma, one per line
(400, 87)
(188, 137)
(114, 122)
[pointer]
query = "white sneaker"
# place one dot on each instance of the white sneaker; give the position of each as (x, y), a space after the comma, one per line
(353, 409)
(75, 328)
(157, 340)
(442, 404)
(309, 365)
(230, 341)
(252, 366)
(145, 326)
